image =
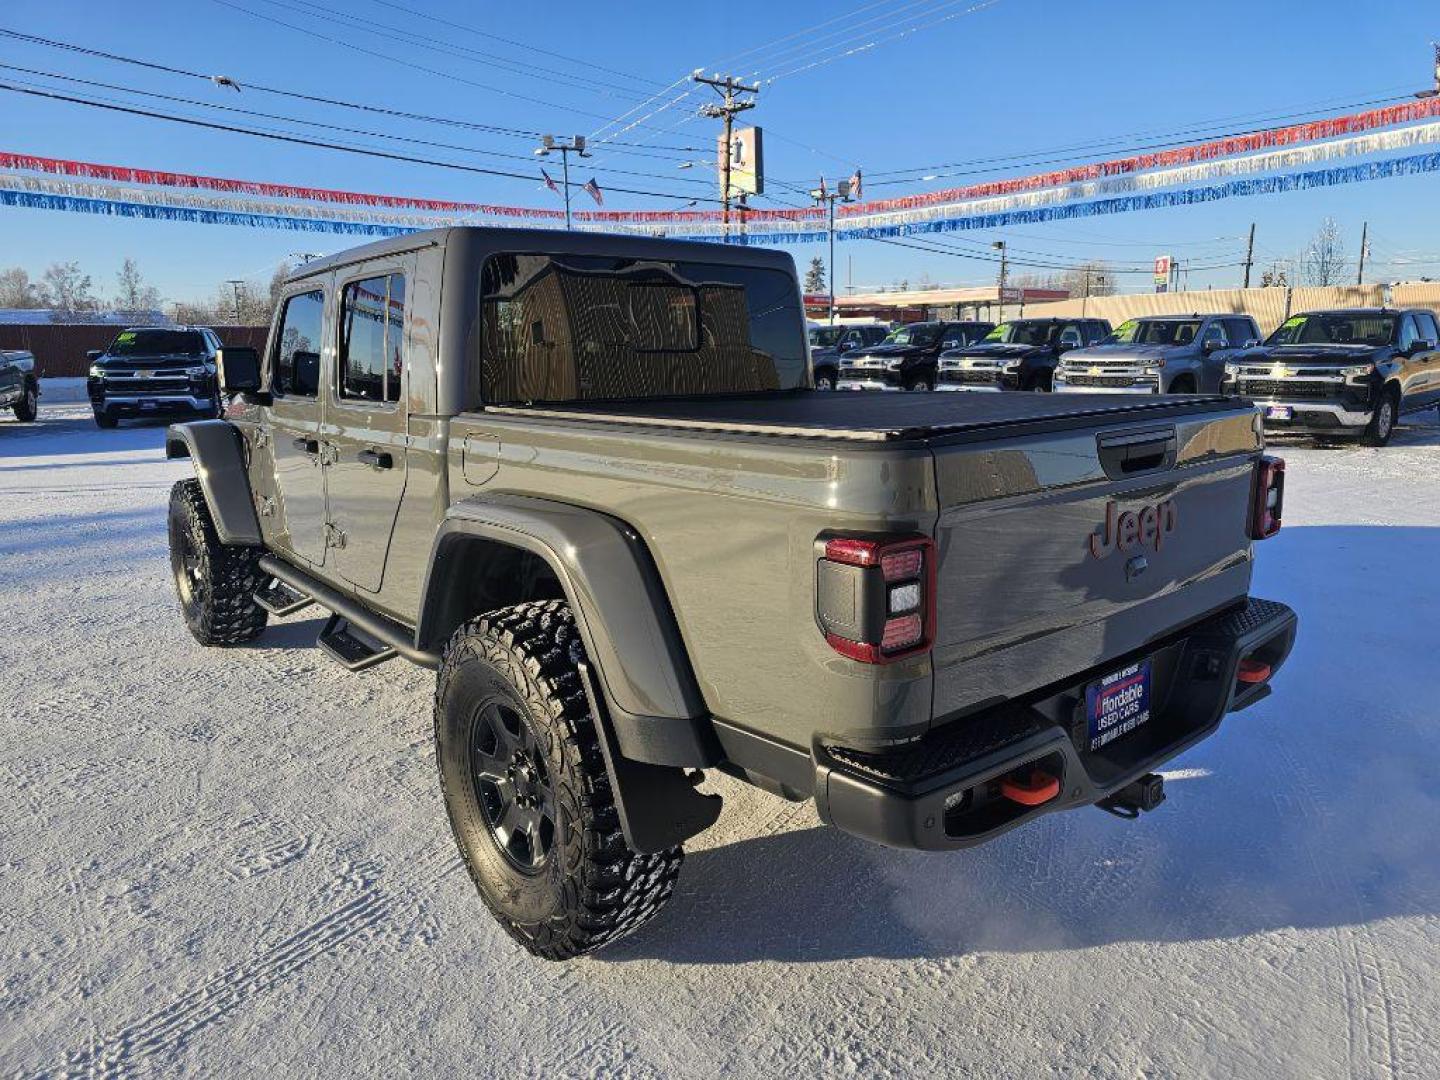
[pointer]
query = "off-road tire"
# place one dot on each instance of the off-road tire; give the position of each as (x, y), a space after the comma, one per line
(824, 381)
(591, 888)
(921, 384)
(105, 421)
(1382, 426)
(28, 407)
(214, 582)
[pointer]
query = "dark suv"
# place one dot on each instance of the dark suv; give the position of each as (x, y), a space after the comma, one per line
(155, 371)
(19, 389)
(829, 343)
(1018, 355)
(1342, 373)
(908, 358)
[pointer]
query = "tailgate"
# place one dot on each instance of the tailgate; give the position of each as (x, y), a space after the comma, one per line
(1061, 552)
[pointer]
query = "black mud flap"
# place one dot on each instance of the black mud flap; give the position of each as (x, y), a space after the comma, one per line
(658, 805)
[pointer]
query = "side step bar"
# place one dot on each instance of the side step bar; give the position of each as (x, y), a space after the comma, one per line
(280, 599)
(353, 652)
(387, 631)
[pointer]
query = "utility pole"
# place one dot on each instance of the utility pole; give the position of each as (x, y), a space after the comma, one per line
(999, 245)
(729, 88)
(829, 198)
(549, 144)
(1249, 255)
(1434, 91)
(1085, 300)
(236, 284)
(1364, 248)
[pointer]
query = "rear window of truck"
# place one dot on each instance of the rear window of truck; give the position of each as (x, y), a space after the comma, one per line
(570, 328)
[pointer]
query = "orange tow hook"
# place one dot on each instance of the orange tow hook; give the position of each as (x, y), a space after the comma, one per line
(1252, 671)
(1035, 789)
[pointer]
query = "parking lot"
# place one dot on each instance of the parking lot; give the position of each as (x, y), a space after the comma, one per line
(229, 861)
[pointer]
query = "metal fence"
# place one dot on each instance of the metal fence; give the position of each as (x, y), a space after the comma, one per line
(60, 348)
(1270, 307)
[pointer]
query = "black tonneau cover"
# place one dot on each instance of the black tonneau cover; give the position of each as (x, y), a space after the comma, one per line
(877, 416)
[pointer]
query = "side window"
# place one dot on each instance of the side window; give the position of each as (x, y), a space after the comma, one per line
(1095, 332)
(1409, 333)
(372, 347)
(1239, 331)
(1070, 337)
(297, 359)
(1428, 330)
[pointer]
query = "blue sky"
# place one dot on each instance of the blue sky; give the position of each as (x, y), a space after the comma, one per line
(1021, 79)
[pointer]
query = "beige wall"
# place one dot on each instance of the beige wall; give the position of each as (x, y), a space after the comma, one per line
(1268, 306)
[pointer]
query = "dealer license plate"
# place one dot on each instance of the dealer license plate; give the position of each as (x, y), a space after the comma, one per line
(1279, 412)
(1118, 704)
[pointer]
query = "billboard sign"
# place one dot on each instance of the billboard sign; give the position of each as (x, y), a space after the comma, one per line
(747, 162)
(1164, 264)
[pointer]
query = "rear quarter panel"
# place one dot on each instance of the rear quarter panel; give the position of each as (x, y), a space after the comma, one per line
(731, 523)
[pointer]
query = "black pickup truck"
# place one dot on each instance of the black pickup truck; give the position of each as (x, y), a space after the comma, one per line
(1342, 373)
(150, 371)
(1018, 355)
(907, 358)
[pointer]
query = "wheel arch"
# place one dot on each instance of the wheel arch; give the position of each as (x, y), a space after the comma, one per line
(219, 456)
(603, 569)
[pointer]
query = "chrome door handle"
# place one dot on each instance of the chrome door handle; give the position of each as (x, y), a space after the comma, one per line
(375, 459)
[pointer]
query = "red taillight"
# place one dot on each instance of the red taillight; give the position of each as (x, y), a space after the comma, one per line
(876, 599)
(1267, 500)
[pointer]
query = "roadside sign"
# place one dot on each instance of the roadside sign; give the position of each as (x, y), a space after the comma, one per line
(1163, 265)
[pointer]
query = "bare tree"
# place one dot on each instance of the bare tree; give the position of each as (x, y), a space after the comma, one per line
(67, 290)
(132, 294)
(1324, 261)
(17, 290)
(1088, 279)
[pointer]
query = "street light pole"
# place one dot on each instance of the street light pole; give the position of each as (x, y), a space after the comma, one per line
(821, 194)
(549, 143)
(999, 245)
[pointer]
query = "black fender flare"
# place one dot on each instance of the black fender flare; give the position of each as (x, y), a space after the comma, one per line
(219, 455)
(621, 608)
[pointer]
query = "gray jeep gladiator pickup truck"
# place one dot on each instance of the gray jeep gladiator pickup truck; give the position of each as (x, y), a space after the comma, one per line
(586, 479)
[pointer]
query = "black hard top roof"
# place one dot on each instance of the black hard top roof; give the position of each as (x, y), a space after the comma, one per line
(483, 239)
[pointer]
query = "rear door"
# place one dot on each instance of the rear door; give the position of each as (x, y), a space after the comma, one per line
(1429, 359)
(1063, 551)
(294, 423)
(364, 427)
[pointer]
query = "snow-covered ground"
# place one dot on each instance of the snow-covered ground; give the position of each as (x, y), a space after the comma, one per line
(236, 862)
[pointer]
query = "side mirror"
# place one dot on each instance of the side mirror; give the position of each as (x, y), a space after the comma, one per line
(307, 373)
(238, 368)
(1251, 343)
(94, 354)
(1210, 345)
(1421, 346)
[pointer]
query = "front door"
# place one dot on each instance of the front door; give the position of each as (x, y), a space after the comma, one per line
(294, 426)
(11, 381)
(364, 429)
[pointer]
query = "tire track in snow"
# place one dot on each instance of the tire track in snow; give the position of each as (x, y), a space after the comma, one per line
(169, 1028)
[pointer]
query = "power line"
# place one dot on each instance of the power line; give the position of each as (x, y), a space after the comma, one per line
(510, 41)
(437, 72)
(526, 134)
(339, 18)
(320, 124)
(303, 141)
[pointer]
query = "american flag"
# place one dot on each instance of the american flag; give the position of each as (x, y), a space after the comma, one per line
(549, 182)
(594, 191)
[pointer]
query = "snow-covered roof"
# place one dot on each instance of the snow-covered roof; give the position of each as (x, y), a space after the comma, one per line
(45, 316)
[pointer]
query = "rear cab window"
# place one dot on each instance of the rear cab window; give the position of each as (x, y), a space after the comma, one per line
(372, 339)
(573, 328)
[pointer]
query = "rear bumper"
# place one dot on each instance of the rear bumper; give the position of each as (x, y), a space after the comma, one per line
(943, 792)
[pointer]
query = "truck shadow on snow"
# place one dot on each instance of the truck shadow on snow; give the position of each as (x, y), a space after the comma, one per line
(1315, 808)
